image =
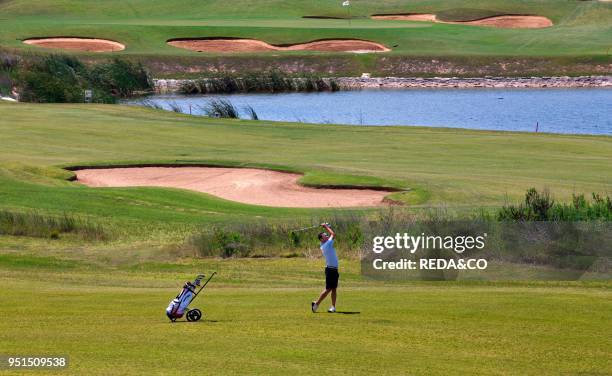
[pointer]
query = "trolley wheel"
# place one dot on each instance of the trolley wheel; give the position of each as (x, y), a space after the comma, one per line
(193, 315)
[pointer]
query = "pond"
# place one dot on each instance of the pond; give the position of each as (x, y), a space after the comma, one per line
(576, 111)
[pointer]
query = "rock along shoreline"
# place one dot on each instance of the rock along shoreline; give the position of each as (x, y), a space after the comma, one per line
(169, 86)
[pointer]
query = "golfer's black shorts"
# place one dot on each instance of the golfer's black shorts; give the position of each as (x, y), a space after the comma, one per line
(331, 278)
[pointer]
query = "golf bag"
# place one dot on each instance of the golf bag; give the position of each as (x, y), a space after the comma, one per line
(179, 305)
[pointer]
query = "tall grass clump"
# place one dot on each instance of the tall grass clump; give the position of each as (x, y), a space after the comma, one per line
(33, 224)
(150, 104)
(221, 108)
(64, 79)
(272, 81)
(251, 112)
(540, 206)
(175, 107)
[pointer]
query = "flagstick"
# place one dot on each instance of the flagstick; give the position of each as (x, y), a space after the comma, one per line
(349, 14)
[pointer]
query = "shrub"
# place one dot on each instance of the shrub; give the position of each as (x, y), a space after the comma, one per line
(55, 78)
(541, 207)
(220, 242)
(121, 78)
(63, 79)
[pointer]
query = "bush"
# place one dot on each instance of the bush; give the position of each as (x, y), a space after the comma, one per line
(55, 78)
(64, 79)
(121, 78)
(220, 242)
(541, 207)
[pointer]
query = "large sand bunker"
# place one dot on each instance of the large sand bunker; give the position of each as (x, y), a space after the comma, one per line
(77, 44)
(237, 45)
(509, 21)
(247, 185)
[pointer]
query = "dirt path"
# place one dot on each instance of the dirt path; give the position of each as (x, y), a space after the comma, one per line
(77, 44)
(246, 185)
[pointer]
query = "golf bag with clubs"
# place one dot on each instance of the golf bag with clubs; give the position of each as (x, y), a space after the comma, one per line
(179, 306)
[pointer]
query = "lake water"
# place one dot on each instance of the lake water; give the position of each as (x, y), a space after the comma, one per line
(579, 111)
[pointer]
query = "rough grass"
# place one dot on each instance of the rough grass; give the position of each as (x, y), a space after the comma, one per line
(43, 226)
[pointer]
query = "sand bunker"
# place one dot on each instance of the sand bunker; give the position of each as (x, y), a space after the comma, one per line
(406, 17)
(504, 21)
(247, 185)
(77, 44)
(231, 45)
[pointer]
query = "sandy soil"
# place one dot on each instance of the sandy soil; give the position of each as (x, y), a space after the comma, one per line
(406, 17)
(252, 45)
(503, 22)
(512, 22)
(78, 44)
(246, 185)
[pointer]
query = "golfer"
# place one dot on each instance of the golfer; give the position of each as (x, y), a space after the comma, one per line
(331, 268)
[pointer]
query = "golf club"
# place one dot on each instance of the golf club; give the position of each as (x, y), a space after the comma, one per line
(308, 228)
(305, 228)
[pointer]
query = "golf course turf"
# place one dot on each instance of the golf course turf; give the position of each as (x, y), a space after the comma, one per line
(102, 302)
(88, 268)
(257, 320)
(450, 167)
(577, 43)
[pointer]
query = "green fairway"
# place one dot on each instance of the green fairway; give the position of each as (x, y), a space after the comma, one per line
(111, 321)
(581, 33)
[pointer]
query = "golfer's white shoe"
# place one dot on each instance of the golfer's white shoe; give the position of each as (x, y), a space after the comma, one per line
(332, 309)
(314, 306)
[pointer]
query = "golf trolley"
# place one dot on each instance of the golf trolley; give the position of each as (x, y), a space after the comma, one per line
(185, 298)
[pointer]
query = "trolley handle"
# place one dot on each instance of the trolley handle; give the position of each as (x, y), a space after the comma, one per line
(204, 285)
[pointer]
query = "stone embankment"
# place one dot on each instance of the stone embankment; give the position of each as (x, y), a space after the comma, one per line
(164, 86)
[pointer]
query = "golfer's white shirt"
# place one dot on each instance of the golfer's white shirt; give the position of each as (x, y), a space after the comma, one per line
(329, 252)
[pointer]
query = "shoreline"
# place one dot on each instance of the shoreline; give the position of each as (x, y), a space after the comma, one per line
(172, 86)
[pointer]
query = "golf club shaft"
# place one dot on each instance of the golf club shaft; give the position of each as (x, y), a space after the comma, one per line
(204, 285)
(305, 228)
